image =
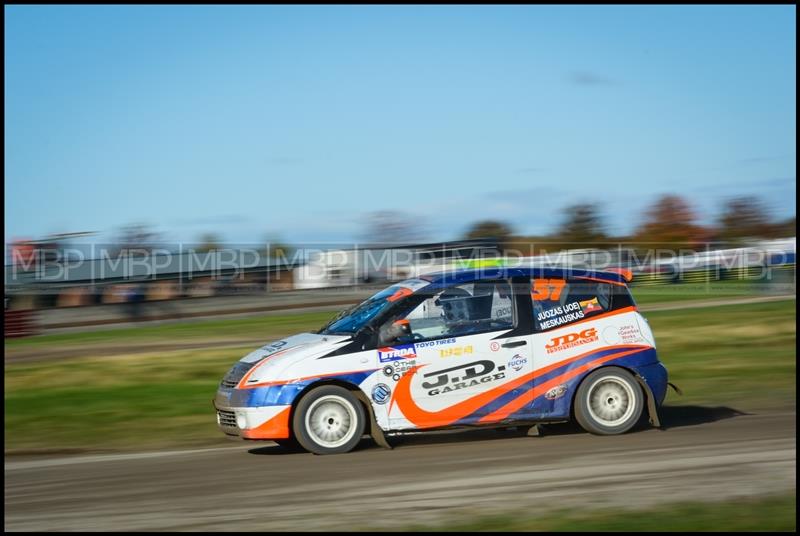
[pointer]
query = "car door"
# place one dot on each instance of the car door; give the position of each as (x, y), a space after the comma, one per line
(565, 337)
(465, 356)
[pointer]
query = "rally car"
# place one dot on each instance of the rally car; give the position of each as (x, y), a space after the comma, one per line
(475, 347)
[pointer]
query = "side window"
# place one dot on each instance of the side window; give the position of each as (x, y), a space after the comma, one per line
(621, 297)
(558, 302)
(461, 310)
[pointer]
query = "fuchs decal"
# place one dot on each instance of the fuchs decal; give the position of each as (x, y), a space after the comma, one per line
(517, 362)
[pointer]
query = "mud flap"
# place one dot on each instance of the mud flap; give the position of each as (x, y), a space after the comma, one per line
(676, 388)
(374, 430)
(652, 411)
(537, 430)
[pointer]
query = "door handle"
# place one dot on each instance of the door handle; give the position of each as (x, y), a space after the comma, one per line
(514, 344)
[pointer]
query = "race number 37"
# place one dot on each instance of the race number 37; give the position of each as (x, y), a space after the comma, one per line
(547, 289)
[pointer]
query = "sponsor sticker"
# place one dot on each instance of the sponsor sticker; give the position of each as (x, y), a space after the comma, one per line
(381, 393)
(501, 312)
(456, 351)
(398, 368)
(494, 346)
(627, 334)
(272, 348)
(590, 306)
(462, 377)
(395, 353)
(440, 342)
(571, 340)
(413, 284)
(556, 392)
(517, 362)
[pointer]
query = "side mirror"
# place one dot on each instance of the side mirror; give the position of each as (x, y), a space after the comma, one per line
(389, 333)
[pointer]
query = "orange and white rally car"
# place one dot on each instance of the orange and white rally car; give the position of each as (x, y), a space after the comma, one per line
(471, 347)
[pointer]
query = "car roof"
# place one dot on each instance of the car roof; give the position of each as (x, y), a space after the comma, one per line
(467, 275)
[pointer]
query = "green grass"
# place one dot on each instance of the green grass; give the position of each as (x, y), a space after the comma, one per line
(647, 295)
(260, 327)
(741, 356)
(775, 513)
(136, 401)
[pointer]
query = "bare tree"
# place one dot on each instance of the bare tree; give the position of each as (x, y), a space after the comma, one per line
(136, 240)
(391, 228)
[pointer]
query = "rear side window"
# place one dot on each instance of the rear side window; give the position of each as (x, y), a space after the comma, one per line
(559, 302)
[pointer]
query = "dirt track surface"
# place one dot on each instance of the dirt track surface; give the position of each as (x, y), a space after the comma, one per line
(703, 454)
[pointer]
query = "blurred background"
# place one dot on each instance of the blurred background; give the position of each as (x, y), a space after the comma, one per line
(183, 184)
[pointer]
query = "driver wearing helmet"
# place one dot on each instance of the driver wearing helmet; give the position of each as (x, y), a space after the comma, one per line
(455, 308)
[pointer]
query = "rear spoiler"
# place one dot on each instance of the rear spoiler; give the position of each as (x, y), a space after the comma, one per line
(626, 274)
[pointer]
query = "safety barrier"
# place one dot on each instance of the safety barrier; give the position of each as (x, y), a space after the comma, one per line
(20, 323)
(649, 279)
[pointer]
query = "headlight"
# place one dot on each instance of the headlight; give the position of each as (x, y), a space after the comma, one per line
(241, 421)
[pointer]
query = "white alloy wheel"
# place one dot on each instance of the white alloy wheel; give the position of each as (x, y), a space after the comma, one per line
(609, 401)
(330, 421)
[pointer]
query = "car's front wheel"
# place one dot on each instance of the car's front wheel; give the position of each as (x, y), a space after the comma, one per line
(609, 401)
(329, 420)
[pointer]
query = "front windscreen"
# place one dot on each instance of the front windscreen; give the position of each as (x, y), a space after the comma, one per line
(353, 319)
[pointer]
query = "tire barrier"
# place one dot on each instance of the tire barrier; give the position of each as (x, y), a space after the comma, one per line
(650, 279)
(706, 275)
(779, 273)
(745, 273)
(20, 323)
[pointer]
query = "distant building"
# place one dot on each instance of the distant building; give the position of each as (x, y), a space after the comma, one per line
(381, 263)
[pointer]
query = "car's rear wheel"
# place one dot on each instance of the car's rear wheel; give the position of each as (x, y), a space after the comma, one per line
(329, 420)
(609, 401)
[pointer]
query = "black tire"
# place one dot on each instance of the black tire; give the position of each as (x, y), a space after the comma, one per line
(609, 401)
(329, 420)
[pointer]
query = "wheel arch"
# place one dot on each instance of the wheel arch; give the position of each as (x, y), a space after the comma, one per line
(650, 403)
(372, 424)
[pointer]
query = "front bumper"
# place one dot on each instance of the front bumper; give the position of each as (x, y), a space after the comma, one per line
(270, 422)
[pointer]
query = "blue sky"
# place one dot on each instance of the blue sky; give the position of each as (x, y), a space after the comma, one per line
(256, 121)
